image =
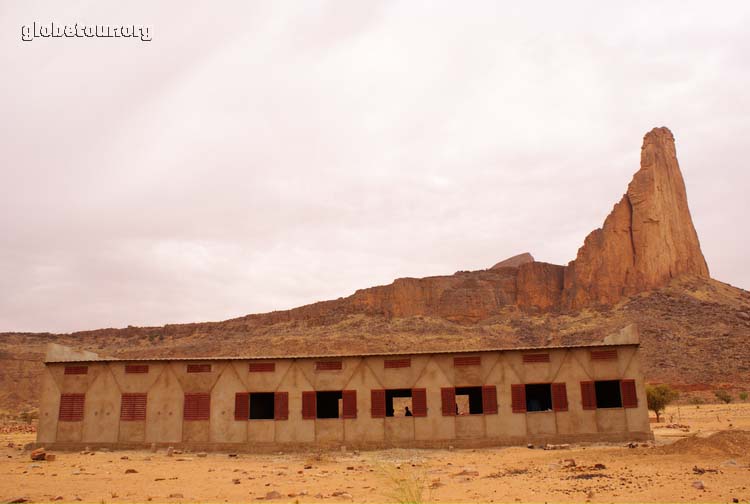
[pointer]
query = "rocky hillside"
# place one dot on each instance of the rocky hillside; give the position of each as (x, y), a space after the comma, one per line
(643, 266)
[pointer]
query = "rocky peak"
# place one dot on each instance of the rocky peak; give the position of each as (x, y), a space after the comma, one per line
(515, 261)
(646, 240)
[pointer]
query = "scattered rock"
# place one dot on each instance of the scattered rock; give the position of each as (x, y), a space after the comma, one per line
(698, 485)
(58, 498)
(556, 446)
(272, 495)
(569, 462)
(38, 454)
(308, 466)
(201, 454)
(130, 471)
(743, 315)
(530, 446)
(18, 500)
(124, 457)
(232, 455)
(599, 466)
(50, 457)
(236, 481)
(349, 468)
(176, 496)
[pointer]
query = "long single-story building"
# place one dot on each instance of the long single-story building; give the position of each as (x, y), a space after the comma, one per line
(421, 399)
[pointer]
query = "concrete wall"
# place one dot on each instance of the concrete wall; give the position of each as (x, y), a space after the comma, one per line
(168, 381)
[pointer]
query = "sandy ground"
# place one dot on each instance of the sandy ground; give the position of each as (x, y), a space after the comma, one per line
(713, 448)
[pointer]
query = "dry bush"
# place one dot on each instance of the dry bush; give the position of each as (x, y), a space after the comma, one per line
(406, 484)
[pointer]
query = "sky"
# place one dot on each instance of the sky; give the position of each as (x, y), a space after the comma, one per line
(255, 156)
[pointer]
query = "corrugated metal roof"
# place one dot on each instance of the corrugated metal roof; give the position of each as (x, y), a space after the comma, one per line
(342, 355)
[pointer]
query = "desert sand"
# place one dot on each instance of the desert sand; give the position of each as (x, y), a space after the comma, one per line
(704, 457)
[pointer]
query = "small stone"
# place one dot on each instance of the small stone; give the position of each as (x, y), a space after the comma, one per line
(349, 468)
(273, 494)
(130, 471)
(735, 500)
(236, 481)
(18, 500)
(58, 498)
(698, 485)
(569, 462)
(176, 496)
(50, 457)
(599, 466)
(124, 457)
(308, 466)
(530, 446)
(232, 455)
(38, 454)
(201, 454)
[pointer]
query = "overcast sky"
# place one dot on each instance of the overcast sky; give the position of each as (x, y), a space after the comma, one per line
(263, 155)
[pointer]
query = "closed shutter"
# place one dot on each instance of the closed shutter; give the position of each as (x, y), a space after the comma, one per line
(535, 357)
(71, 407)
(281, 406)
(261, 367)
(448, 396)
(629, 398)
(419, 402)
(473, 360)
(328, 366)
(559, 397)
(489, 399)
(396, 363)
(197, 406)
(241, 406)
(377, 403)
(73, 370)
(199, 368)
(588, 395)
(133, 407)
(518, 398)
(308, 405)
(610, 354)
(350, 403)
(136, 368)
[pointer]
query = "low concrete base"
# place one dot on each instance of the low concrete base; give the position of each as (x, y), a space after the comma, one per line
(612, 437)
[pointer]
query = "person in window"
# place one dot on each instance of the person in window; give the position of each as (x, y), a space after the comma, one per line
(407, 411)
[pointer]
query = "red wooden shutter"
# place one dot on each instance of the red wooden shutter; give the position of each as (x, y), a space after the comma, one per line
(350, 403)
(559, 397)
(588, 395)
(473, 360)
(197, 406)
(448, 396)
(377, 403)
(71, 407)
(308, 405)
(489, 399)
(535, 357)
(629, 398)
(241, 406)
(261, 367)
(199, 368)
(518, 398)
(281, 406)
(133, 407)
(76, 370)
(610, 354)
(328, 366)
(396, 363)
(419, 402)
(136, 368)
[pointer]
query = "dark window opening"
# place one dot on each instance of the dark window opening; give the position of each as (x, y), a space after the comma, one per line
(398, 402)
(329, 404)
(608, 394)
(261, 406)
(539, 397)
(469, 401)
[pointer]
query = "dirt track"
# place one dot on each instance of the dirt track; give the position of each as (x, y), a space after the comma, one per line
(715, 451)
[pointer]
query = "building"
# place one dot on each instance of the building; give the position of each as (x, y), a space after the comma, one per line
(478, 398)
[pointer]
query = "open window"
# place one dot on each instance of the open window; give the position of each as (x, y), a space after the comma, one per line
(261, 406)
(608, 394)
(394, 402)
(398, 403)
(539, 397)
(329, 404)
(469, 401)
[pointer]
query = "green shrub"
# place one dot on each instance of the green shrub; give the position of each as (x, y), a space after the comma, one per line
(743, 396)
(723, 396)
(658, 397)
